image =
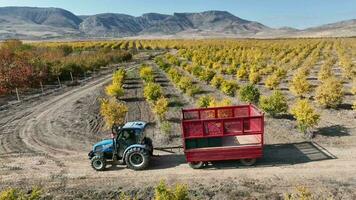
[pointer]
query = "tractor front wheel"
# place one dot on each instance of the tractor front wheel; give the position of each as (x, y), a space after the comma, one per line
(98, 163)
(137, 158)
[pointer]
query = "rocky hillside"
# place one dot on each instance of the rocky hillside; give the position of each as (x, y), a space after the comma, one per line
(47, 23)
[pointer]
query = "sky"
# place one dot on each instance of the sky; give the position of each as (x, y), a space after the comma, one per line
(274, 13)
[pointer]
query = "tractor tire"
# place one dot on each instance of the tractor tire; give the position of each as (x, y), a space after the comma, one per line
(196, 165)
(98, 163)
(248, 162)
(137, 158)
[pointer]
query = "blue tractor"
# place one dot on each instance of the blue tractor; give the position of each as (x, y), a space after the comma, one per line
(129, 146)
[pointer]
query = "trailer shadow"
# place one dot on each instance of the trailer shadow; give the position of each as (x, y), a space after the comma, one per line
(283, 155)
(274, 155)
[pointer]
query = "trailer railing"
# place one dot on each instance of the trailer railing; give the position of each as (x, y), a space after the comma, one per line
(222, 121)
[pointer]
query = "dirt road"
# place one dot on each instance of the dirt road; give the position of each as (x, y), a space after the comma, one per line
(46, 142)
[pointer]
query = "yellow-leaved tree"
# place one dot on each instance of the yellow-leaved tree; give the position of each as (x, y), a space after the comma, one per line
(330, 93)
(152, 92)
(114, 90)
(305, 115)
(161, 107)
(299, 85)
(146, 73)
(163, 192)
(113, 112)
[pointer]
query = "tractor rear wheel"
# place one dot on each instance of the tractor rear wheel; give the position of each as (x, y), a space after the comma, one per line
(137, 158)
(248, 162)
(196, 165)
(98, 163)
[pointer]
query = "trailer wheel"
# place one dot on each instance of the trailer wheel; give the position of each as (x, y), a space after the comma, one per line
(137, 158)
(248, 162)
(196, 165)
(98, 163)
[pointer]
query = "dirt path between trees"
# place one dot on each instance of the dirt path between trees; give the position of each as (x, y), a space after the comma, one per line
(46, 143)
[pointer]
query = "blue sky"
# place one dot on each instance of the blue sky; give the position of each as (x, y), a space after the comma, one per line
(274, 13)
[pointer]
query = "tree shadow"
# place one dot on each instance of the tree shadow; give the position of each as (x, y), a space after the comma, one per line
(133, 99)
(333, 131)
(176, 103)
(132, 83)
(348, 94)
(285, 116)
(284, 89)
(132, 79)
(345, 106)
(131, 87)
(203, 92)
(169, 96)
(164, 85)
(161, 81)
(175, 120)
(312, 78)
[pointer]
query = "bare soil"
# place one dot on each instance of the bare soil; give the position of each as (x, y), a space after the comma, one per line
(45, 142)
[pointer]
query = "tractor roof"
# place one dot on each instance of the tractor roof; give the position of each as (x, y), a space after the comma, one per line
(135, 124)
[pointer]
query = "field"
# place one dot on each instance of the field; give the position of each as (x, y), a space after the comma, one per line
(44, 141)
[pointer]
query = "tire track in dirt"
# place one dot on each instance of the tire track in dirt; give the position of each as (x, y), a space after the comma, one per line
(27, 131)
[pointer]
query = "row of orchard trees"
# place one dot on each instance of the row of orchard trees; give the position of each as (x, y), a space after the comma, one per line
(112, 109)
(153, 92)
(252, 63)
(183, 83)
(27, 65)
(274, 104)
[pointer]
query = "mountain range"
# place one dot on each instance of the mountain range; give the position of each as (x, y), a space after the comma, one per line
(56, 23)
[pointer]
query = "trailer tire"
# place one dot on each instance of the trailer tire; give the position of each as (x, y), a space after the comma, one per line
(137, 158)
(196, 165)
(248, 162)
(98, 163)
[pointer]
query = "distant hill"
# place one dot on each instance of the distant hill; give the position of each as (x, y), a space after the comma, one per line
(48, 23)
(110, 24)
(338, 29)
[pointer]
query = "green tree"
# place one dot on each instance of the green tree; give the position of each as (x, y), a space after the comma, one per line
(249, 93)
(275, 104)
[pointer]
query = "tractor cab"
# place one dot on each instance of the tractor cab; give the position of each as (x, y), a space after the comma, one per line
(125, 141)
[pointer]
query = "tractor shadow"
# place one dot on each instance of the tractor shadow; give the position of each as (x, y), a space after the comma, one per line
(274, 155)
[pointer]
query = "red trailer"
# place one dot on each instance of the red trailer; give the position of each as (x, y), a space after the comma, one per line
(222, 133)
